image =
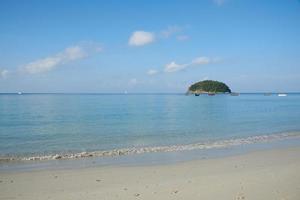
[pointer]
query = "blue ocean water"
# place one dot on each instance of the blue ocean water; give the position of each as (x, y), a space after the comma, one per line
(41, 124)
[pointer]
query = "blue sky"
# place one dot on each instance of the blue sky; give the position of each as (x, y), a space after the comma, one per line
(149, 46)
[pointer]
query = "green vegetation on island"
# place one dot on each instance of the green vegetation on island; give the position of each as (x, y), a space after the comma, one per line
(207, 87)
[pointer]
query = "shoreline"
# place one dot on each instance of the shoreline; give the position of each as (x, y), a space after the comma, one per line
(152, 158)
(263, 174)
(214, 144)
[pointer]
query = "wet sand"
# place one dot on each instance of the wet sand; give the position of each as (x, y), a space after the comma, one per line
(268, 174)
(217, 144)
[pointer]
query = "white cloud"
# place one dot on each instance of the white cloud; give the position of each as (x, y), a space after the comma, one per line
(140, 38)
(170, 31)
(133, 81)
(201, 61)
(205, 78)
(174, 67)
(152, 72)
(182, 37)
(3, 73)
(68, 55)
(219, 2)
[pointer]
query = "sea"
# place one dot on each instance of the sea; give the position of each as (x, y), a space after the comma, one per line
(60, 126)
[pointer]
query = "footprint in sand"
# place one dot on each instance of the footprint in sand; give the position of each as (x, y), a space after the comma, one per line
(240, 196)
(137, 195)
(175, 192)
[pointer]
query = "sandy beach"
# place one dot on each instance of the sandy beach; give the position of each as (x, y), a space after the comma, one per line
(149, 100)
(268, 174)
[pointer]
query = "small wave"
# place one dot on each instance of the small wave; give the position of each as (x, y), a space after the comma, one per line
(172, 148)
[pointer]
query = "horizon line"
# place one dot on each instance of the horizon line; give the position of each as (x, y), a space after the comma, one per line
(130, 93)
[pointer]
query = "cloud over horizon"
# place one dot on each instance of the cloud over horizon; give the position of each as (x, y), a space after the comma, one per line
(174, 67)
(70, 54)
(133, 81)
(152, 72)
(3, 73)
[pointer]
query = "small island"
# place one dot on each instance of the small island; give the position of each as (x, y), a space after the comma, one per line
(209, 87)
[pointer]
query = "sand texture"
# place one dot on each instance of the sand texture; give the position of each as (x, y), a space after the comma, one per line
(270, 174)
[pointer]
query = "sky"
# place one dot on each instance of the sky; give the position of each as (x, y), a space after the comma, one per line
(149, 46)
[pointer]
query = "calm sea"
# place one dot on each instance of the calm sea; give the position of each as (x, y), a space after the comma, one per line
(41, 124)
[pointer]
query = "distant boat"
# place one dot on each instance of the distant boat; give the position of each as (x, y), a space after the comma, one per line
(19, 93)
(196, 94)
(235, 94)
(282, 95)
(211, 94)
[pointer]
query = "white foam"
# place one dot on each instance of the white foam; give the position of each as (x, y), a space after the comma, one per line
(172, 148)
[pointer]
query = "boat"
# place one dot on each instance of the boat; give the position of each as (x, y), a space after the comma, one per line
(211, 94)
(19, 93)
(196, 94)
(282, 95)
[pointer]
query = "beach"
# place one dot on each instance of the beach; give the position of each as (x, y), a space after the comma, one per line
(264, 174)
(149, 100)
(149, 147)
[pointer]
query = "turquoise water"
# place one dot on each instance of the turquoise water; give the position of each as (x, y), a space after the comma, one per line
(41, 124)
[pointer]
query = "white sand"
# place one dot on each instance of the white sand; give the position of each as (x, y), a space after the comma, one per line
(266, 175)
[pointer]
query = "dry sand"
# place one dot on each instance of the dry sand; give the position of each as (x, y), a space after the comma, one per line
(271, 174)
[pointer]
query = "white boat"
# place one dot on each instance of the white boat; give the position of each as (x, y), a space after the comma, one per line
(282, 95)
(19, 92)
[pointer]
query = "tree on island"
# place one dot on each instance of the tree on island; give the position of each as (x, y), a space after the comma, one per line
(208, 86)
